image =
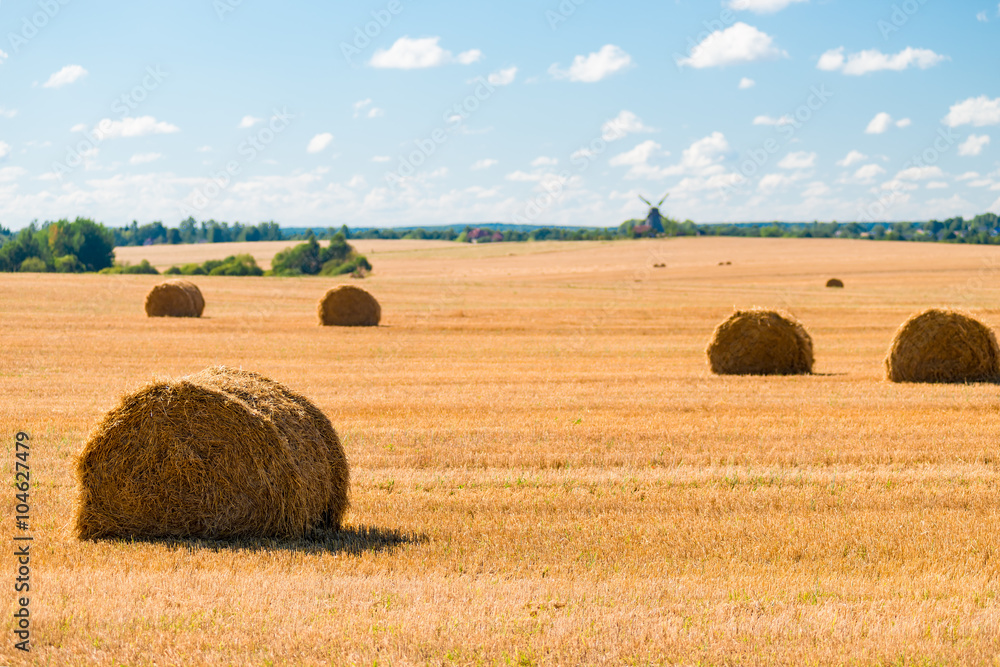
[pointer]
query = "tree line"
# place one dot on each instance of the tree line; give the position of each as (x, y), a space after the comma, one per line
(86, 245)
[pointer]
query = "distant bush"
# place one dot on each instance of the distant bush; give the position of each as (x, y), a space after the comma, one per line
(311, 259)
(33, 265)
(143, 267)
(234, 265)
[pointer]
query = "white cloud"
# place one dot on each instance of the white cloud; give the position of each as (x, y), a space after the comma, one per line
(10, 174)
(936, 185)
(3, 56)
(595, 66)
(204, 149)
(502, 77)
(920, 173)
(375, 112)
(883, 121)
(79, 127)
(974, 144)
(740, 43)
(761, 6)
(420, 53)
(637, 156)
(381, 158)
(132, 127)
(65, 76)
(746, 83)
(486, 163)
(816, 189)
(360, 105)
(248, 121)
(851, 158)
(975, 111)
(873, 60)
(144, 158)
(981, 17)
(543, 161)
(769, 120)
(798, 160)
(622, 125)
(869, 173)
(967, 176)
(8, 113)
(4, 149)
(319, 142)
(771, 182)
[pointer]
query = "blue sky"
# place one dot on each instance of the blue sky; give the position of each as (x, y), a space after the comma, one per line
(396, 112)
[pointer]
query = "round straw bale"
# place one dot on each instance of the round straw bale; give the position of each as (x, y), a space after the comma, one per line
(760, 342)
(175, 298)
(348, 306)
(943, 346)
(219, 454)
(834, 282)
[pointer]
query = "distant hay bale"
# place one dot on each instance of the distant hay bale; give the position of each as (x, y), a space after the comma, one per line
(760, 342)
(219, 454)
(834, 282)
(943, 346)
(175, 298)
(348, 306)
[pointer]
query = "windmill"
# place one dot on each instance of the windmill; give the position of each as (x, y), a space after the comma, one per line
(654, 220)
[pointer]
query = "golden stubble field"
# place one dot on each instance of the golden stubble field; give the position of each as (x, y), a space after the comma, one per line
(543, 469)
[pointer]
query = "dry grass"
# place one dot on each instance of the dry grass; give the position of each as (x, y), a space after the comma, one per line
(544, 470)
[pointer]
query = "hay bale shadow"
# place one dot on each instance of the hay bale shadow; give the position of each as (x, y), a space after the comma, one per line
(350, 540)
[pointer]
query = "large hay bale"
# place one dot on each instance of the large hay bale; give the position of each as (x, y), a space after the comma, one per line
(222, 453)
(348, 306)
(834, 282)
(943, 346)
(760, 342)
(175, 298)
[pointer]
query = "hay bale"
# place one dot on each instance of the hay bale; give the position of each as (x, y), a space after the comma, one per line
(760, 342)
(219, 454)
(348, 306)
(175, 298)
(943, 346)
(834, 282)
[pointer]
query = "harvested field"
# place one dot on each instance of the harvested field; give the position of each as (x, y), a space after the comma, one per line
(543, 468)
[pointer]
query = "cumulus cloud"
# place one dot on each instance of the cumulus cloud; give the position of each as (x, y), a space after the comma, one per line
(883, 121)
(746, 83)
(974, 145)
(920, 173)
(144, 158)
(622, 125)
(248, 121)
(595, 66)
(485, 163)
(851, 158)
(975, 111)
(65, 76)
(770, 120)
(873, 60)
(407, 53)
(798, 160)
(869, 173)
(502, 77)
(319, 143)
(637, 156)
(761, 6)
(544, 161)
(740, 43)
(132, 127)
